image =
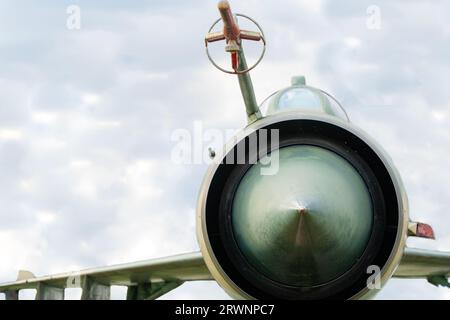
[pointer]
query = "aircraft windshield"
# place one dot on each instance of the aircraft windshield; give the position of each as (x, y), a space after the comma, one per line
(303, 98)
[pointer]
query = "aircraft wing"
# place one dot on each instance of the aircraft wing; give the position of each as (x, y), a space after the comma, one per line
(150, 279)
(147, 279)
(431, 265)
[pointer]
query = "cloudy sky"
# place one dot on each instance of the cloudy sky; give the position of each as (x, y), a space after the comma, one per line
(87, 116)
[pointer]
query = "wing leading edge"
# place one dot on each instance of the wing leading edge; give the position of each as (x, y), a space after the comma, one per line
(147, 279)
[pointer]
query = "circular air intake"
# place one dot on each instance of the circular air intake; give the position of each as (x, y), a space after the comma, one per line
(311, 229)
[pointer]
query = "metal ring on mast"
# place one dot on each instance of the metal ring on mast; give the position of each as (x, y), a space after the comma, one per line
(263, 38)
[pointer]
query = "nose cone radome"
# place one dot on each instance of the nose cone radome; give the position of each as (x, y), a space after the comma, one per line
(309, 223)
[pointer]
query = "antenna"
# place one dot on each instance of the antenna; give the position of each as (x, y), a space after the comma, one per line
(233, 36)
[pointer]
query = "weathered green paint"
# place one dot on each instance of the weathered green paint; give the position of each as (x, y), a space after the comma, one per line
(161, 288)
(439, 280)
(12, 295)
(307, 224)
(139, 292)
(151, 291)
(298, 81)
(93, 290)
(248, 93)
(46, 292)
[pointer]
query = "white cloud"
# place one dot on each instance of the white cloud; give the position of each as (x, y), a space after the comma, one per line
(46, 118)
(352, 42)
(439, 115)
(91, 98)
(10, 134)
(46, 217)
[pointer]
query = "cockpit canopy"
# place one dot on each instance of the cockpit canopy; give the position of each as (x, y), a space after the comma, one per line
(304, 98)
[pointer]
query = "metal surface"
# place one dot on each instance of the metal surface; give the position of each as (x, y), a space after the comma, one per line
(248, 93)
(161, 288)
(233, 36)
(151, 291)
(307, 224)
(96, 282)
(12, 295)
(439, 280)
(245, 81)
(230, 27)
(93, 290)
(139, 292)
(46, 292)
(420, 263)
(421, 230)
(202, 234)
(247, 35)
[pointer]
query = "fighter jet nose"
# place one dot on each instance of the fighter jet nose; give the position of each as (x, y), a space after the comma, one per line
(306, 215)
(308, 223)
